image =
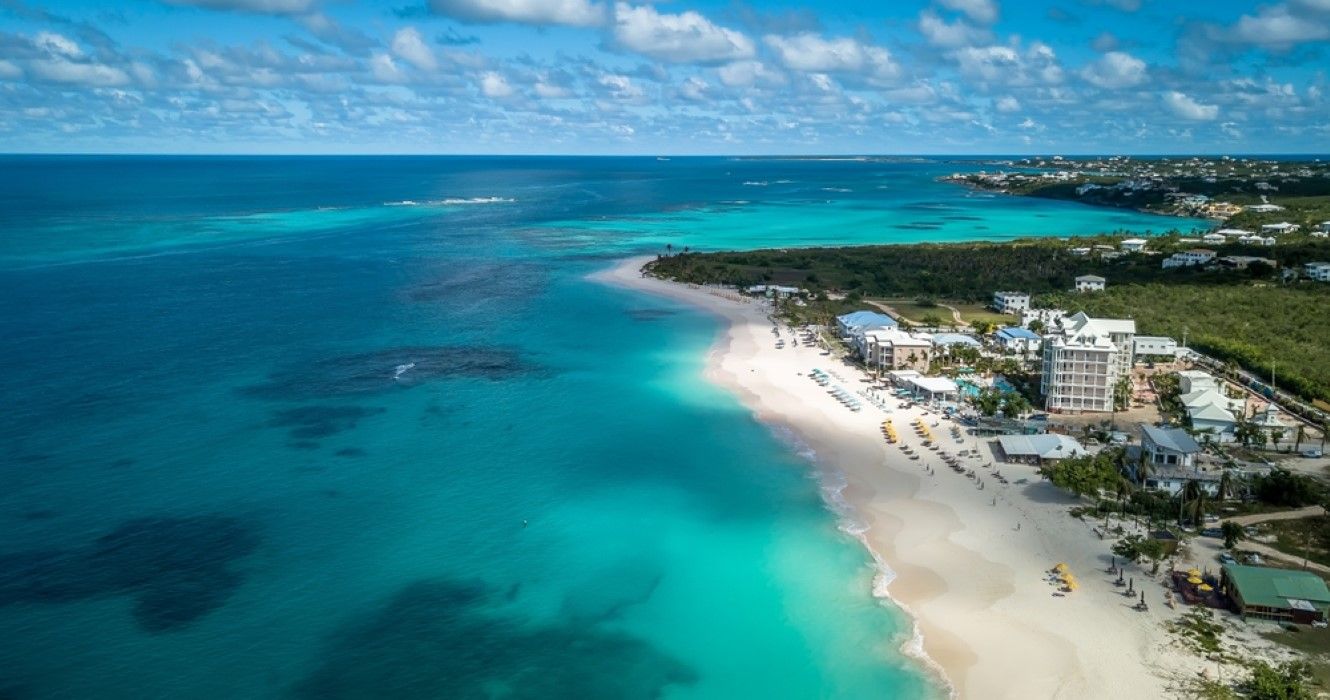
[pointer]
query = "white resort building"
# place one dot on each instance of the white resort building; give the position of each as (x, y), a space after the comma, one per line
(1082, 361)
(892, 348)
(1010, 302)
(1188, 258)
(1090, 283)
(1154, 345)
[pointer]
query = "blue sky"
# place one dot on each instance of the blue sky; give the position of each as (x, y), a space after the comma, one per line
(719, 76)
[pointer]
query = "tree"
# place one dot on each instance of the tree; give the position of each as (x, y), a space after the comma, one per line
(1153, 550)
(1086, 475)
(1129, 547)
(988, 401)
(1037, 326)
(1225, 486)
(1246, 432)
(1014, 404)
(1232, 533)
(1287, 681)
(1276, 434)
(1122, 392)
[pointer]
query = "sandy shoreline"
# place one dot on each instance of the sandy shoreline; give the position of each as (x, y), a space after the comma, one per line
(970, 562)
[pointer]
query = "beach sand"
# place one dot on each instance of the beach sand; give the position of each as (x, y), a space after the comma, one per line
(970, 565)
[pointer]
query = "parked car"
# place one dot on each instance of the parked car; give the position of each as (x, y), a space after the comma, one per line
(1226, 558)
(1312, 454)
(1212, 532)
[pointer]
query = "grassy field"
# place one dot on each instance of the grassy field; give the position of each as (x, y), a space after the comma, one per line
(1305, 537)
(973, 313)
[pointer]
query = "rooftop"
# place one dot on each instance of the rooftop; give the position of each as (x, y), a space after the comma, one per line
(1090, 278)
(1044, 446)
(1018, 333)
(866, 319)
(1173, 439)
(1278, 588)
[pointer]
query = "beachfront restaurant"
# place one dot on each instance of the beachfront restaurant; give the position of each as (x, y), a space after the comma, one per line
(1038, 449)
(1282, 595)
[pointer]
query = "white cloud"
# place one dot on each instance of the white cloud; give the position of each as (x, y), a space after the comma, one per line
(549, 91)
(264, 7)
(495, 86)
(747, 74)
(811, 53)
(385, 69)
(1007, 104)
(1114, 70)
(1278, 27)
(1007, 65)
(8, 70)
(59, 70)
(1187, 108)
(620, 86)
(683, 38)
(573, 13)
(981, 11)
(57, 45)
(409, 46)
(695, 89)
(939, 32)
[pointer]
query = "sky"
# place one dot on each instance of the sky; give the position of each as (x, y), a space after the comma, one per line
(666, 77)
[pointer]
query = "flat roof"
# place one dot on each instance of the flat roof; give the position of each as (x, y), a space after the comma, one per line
(1019, 333)
(1045, 446)
(935, 385)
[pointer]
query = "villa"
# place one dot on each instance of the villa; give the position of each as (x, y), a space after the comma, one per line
(1195, 256)
(1090, 283)
(1132, 245)
(1319, 271)
(1279, 228)
(1018, 340)
(1154, 345)
(1214, 239)
(1168, 447)
(1263, 208)
(1010, 302)
(852, 326)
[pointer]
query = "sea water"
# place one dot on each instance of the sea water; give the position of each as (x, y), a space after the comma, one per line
(360, 427)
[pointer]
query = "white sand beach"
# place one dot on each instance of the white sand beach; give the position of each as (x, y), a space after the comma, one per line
(970, 563)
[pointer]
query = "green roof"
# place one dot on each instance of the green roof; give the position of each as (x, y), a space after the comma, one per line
(1274, 588)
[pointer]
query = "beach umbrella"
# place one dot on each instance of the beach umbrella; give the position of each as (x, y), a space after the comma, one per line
(1060, 567)
(1205, 588)
(1195, 581)
(1194, 572)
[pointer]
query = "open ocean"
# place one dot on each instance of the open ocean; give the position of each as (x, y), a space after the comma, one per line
(359, 428)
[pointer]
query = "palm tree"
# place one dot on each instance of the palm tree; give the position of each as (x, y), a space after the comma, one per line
(669, 248)
(1225, 485)
(1302, 433)
(1190, 493)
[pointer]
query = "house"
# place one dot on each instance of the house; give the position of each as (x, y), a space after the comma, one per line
(1193, 380)
(1322, 230)
(1263, 208)
(1281, 595)
(1242, 262)
(1209, 416)
(853, 325)
(1015, 339)
(892, 348)
(1038, 449)
(1132, 245)
(1010, 302)
(1045, 317)
(1188, 258)
(1154, 345)
(1257, 240)
(1080, 251)
(1319, 271)
(1083, 360)
(1168, 447)
(945, 342)
(1214, 239)
(1090, 283)
(1279, 228)
(1234, 232)
(774, 290)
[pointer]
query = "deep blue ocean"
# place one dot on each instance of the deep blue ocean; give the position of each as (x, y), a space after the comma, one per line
(361, 428)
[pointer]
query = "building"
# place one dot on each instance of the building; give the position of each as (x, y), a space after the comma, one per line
(1189, 258)
(1168, 447)
(1234, 232)
(1242, 262)
(1090, 283)
(1319, 271)
(1279, 228)
(1191, 380)
(1132, 245)
(892, 348)
(1154, 346)
(1018, 340)
(1263, 208)
(774, 290)
(945, 343)
(1082, 361)
(1038, 449)
(1257, 240)
(1282, 595)
(1010, 302)
(1045, 317)
(935, 389)
(1080, 251)
(853, 325)
(1214, 239)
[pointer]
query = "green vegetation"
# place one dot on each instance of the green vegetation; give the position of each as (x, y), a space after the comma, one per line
(989, 401)
(1287, 681)
(1200, 631)
(1086, 475)
(1302, 538)
(1284, 488)
(1232, 532)
(1134, 548)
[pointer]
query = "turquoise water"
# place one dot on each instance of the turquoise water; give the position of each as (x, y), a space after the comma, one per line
(272, 433)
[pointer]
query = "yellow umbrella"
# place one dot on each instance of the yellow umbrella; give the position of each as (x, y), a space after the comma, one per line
(1195, 581)
(1194, 572)
(1205, 587)
(1071, 586)
(1060, 567)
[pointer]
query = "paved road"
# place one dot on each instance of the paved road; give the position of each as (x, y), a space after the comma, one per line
(1308, 512)
(1269, 552)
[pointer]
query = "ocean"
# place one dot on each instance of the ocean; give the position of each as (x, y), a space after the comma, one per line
(360, 427)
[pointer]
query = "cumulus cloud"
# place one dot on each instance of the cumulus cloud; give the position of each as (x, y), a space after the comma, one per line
(9, 71)
(265, 7)
(981, 11)
(59, 70)
(409, 46)
(687, 37)
(572, 13)
(811, 53)
(1114, 70)
(495, 86)
(1008, 65)
(747, 74)
(1007, 104)
(1188, 108)
(1282, 26)
(56, 44)
(939, 32)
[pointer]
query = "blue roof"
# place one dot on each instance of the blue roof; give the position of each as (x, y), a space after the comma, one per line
(954, 339)
(1018, 333)
(866, 319)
